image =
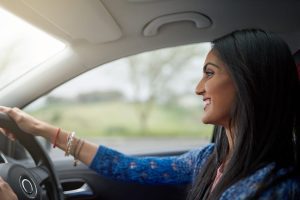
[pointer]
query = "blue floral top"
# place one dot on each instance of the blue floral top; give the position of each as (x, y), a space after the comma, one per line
(182, 170)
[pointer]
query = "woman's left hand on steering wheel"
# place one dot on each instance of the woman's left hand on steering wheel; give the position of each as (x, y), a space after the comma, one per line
(6, 193)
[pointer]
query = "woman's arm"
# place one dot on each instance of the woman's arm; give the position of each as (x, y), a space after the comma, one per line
(37, 127)
(87, 151)
(110, 163)
(150, 170)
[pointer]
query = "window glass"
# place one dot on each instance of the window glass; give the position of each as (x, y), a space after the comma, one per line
(23, 47)
(140, 104)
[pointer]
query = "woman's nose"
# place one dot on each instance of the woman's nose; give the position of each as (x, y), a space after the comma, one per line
(200, 88)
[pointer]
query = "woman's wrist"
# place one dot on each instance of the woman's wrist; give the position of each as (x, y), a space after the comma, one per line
(46, 130)
(61, 140)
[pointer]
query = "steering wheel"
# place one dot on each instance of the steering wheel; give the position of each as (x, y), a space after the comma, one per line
(30, 183)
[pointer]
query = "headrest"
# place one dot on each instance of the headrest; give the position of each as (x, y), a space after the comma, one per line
(297, 61)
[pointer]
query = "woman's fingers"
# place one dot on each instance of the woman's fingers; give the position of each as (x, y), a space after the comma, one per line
(4, 109)
(14, 113)
(3, 131)
(26, 122)
(11, 136)
(8, 134)
(6, 193)
(11, 112)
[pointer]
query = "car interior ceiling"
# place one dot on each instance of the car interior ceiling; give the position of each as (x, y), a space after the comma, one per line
(124, 30)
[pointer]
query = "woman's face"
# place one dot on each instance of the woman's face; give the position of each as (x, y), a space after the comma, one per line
(218, 91)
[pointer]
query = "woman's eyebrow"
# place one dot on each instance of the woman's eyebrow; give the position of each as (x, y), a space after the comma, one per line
(209, 63)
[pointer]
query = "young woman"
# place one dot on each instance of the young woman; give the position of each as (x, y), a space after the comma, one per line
(250, 90)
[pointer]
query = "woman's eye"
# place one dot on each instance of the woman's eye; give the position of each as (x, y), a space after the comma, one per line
(209, 73)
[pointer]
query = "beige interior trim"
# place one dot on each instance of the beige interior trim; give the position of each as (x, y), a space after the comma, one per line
(200, 21)
(95, 25)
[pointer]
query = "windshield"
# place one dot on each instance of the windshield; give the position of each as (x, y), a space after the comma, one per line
(22, 47)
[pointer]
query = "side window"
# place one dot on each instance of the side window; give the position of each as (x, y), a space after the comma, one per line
(140, 104)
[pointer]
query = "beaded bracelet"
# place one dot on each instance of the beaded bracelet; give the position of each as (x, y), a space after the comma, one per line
(74, 149)
(80, 144)
(69, 143)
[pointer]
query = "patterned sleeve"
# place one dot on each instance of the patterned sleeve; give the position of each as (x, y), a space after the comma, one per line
(148, 170)
(284, 189)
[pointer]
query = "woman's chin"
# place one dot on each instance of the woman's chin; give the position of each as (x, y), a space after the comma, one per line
(205, 120)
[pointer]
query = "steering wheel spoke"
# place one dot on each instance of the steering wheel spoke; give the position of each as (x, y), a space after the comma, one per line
(41, 174)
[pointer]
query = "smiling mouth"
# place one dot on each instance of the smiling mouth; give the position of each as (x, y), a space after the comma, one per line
(206, 103)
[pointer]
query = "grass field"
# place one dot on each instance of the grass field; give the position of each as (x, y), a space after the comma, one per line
(121, 119)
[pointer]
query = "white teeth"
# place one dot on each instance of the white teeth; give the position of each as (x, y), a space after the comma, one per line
(206, 102)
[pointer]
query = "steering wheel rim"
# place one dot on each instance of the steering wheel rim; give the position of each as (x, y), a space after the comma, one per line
(39, 155)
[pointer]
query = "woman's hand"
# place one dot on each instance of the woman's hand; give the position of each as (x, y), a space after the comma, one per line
(6, 193)
(58, 137)
(25, 122)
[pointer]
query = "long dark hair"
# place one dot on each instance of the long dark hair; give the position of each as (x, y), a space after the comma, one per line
(265, 117)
